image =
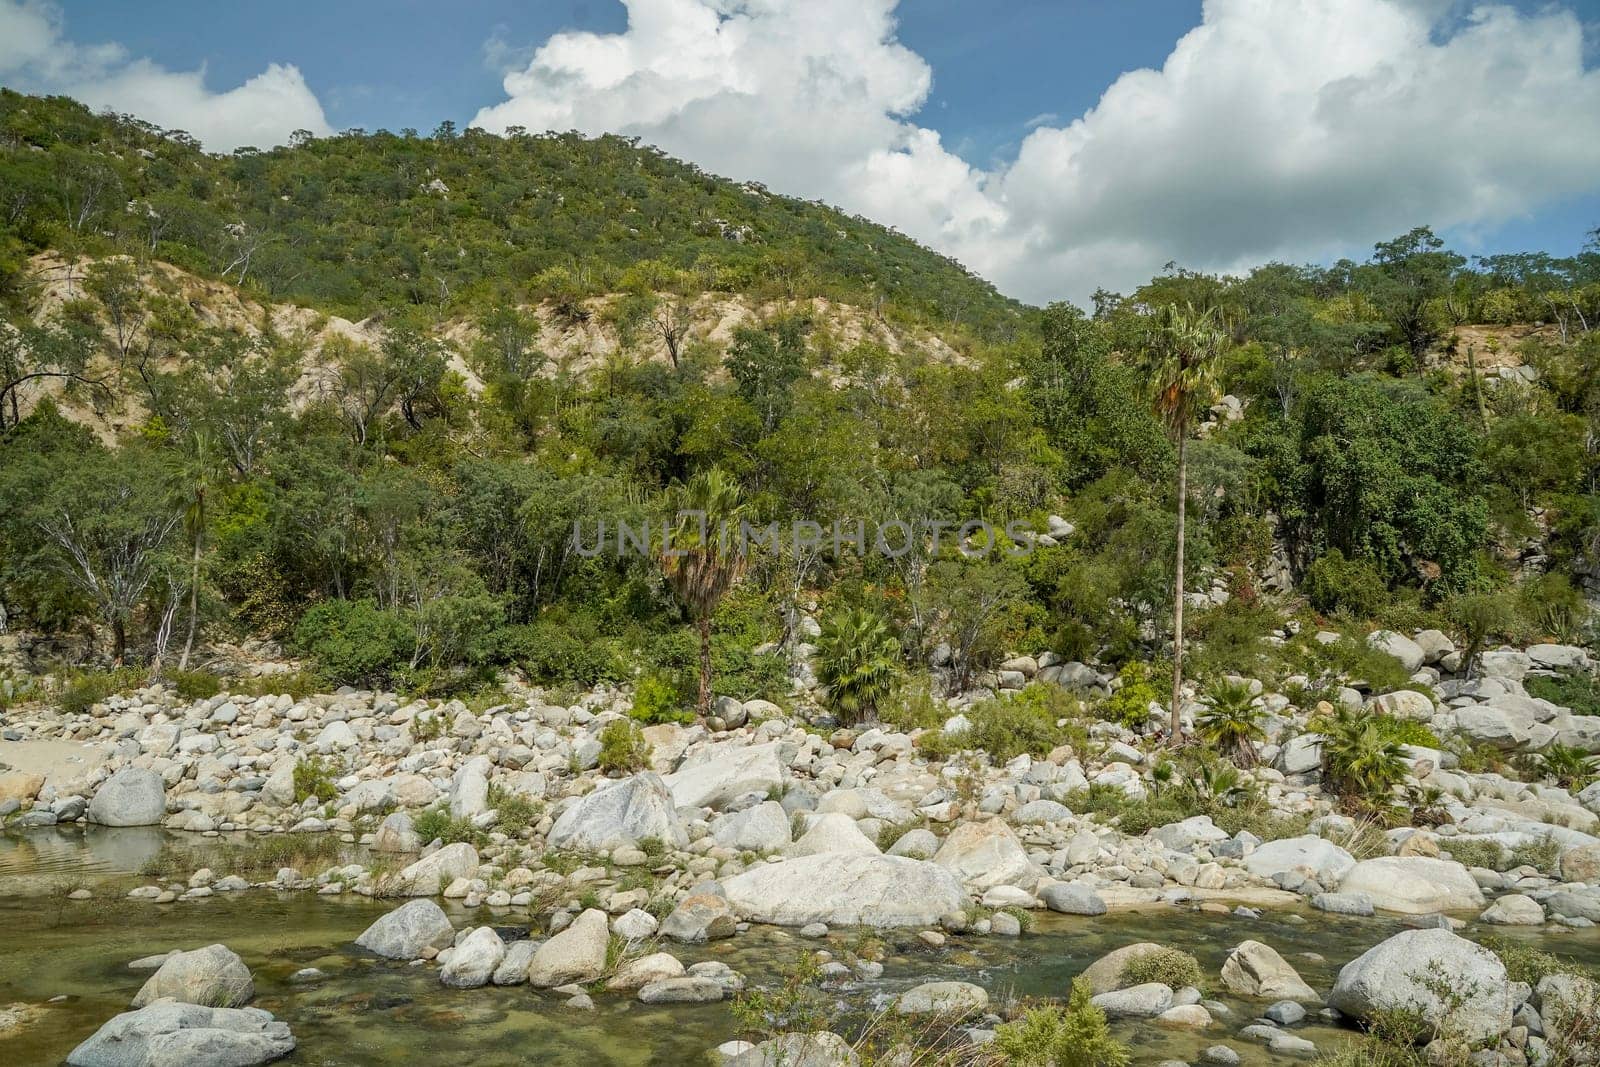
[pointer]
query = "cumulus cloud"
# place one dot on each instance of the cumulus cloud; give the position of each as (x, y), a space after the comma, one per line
(37, 56)
(1274, 129)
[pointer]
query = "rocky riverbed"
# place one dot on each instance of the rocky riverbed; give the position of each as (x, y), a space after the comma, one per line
(469, 853)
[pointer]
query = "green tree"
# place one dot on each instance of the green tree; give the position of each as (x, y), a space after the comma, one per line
(704, 557)
(858, 659)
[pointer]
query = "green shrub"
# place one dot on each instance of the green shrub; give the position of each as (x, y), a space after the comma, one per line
(1070, 1035)
(194, 685)
(1350, 586)
(513, 811)
(1231, 721)
(1579, 692)
(1571, 767)
(913, 706)
(297, 685)
(1528, 963)
(1405, 731)
(1170, 966)
(1478, 853)
(437, 824)
(82, 690)
(1007, 727)
(1130, 703)
(313, 777)
(656, 700)
(1360, 764)
(354, 642)
(623, 748)
(566, 648)
(858, 660)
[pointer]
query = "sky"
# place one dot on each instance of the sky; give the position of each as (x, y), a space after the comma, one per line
(1053, 147)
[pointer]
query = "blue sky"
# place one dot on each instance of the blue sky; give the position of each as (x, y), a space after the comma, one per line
(984, 78)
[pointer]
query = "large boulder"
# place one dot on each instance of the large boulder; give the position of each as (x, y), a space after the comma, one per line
(713, 775)
(1256, 970)
(134, 796)
(406, 931)
(576, 954)
(846, 889)
(214, 976)
(469, 789)
(1105, 973)
(435, 871)
(1456, 985)
(396, 834)
(956, 999)
(1414, 885)
(832, 832)
(986, 854)
(1070, 898)
(171, 1034)
(474, 961)
(763, 828)
(819, 1049)
(1185, 835)
(1311, 855)
(1401, 647)
(620, 814)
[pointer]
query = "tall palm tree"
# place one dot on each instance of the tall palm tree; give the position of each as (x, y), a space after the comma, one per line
(705, 557)
(1182, 350)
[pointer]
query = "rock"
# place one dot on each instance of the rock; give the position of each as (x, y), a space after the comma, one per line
(1041, 812)
(1285, 1013)
(20, 786)
(635, 925)
(956, 999)
(1343, 903)
(701, 917)
(1135, 1002)
(1183, 836)
(1301, 754)
(1581, 864)
(213, 976)
(1425, 970)
(763, 828)
(843, 889)
(576, 954)
(713, 775)
(474, 960)
(1219, 1056)
(133, 796)
(1414, 885)
(1514, 909)
(917, 844)
(1402, 648)
(1256, 970)
(432, 873)
(1404, 704)
(406, 931)
(819, 1049)
(987, 854)
(396, 834)
(832, 832)
(1072, 899)
(513, 969)
(621, 814)
(1316, 857)
(1558, 657)
(1435, 645)
(681, 990)
(1183, 1017)
(1105, 973)
(1567, 1005)
(171, 1034)
(636, 974)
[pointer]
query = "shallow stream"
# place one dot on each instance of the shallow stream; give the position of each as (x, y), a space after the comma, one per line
(370, 1011)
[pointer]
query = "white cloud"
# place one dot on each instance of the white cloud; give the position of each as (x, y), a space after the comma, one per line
(37, 56)
(1274, 129)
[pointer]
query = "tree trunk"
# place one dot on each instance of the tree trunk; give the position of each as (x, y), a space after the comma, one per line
(1477, 385)
(1177, 593)
(119, 640)
(194, 605)
(705, 664)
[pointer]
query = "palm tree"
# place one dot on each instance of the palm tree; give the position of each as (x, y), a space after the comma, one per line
(705, 557)
(1231, 722)
(200, 467)
(1182, 351)
(857, 661)
(1360, 762)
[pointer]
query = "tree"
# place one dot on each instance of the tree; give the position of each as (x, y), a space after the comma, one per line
(1415, 269)
(30, 353)
(1231, 722)
(765, 364)
(857, 661)
(704, 557)
(1183, 349)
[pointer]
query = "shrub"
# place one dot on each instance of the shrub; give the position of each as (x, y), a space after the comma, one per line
(437, 824)
(313, 777)
(656, 700)
(1351, 586)
(1570, 766)
(1130, 703)
(1073, 1035)
(1007, 727)
(560, 649)
(353, 642)
(1405, 731)
(858, 659)
(1528, 963)
(82, 690)
(1578, 692)
(194, 685)
(623, 748)
(1478, 853)
(1360, 764)
(513, 811)
(1171, 967)
(298, 685)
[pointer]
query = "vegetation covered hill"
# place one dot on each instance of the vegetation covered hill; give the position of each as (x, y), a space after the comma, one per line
(545, 337)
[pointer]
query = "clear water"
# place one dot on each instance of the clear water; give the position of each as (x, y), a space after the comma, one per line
(368, 1011)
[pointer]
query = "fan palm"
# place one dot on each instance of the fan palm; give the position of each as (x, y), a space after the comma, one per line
(858, 659)
(705, 557)
(1231, 722)
(1182, 352)
(1569, 765)
(1360, 762)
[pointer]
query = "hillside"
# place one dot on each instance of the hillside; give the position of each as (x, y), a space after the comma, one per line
(360, 222)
